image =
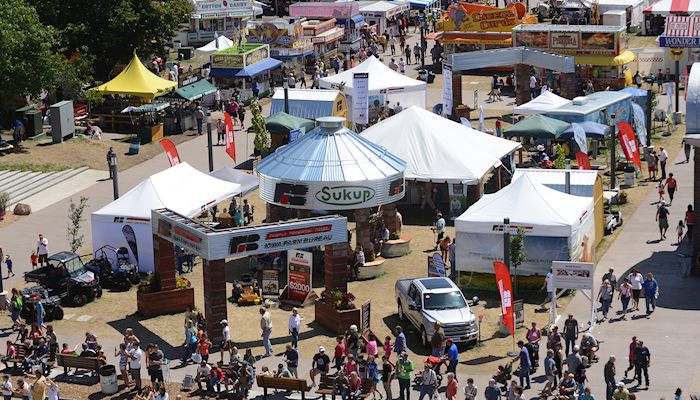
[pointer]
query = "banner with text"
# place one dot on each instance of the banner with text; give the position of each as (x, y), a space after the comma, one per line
(360, 98)
(300, 265)
(505, 289)
(446, 89)
(170, 152)
(572, 275)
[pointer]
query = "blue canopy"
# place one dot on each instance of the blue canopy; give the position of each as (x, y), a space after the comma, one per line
(592, 129)
(247, 72)
(633, 91)
(421, 3)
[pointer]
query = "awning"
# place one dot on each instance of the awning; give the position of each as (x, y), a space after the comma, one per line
(358, 19)
(625, 57)
(247, 72)
(146, 108)
(457, 37)
(421, 3)
(192, 91)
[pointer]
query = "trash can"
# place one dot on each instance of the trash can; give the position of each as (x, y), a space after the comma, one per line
(108, 379)
(134, 146)
(630, 174)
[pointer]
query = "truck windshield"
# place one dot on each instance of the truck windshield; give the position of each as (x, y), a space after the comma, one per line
(443, 301)
(74, 267)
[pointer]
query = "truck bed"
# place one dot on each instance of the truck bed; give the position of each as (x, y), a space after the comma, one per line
(402, 285)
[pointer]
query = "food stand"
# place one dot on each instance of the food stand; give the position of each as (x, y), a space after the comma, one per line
(183, 104)
(382, 16)
(286, 40)
(325, 36)
(222, 17)
(237, 68)
(601, 51)
(148, 125)
(346, 14)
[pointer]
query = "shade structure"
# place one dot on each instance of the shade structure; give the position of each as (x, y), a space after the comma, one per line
(437, 149)
(547, 101)
(309, 103)
(191, 92)
(126, 222)
(634, 92)
(671, 7)
(331, 168)
(249, 182)
(136, 80)
(247, 72)
(592, 129)
(538, 126)
(625, 57)
(282, 123)
(150, 107)
(220, 43)
(383, 81)
(557, 226)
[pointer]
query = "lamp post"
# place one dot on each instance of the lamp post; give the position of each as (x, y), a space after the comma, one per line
(285, 85)
(209, 142)
(115, 177)
(612, 151)
(422, 41)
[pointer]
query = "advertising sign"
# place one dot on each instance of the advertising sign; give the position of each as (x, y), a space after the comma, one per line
(170, 152)
(343, 10)
(538, 40)
(360, 98)
(253, 53)
(598, 40)
(223, 8)
(505, 289)
(436, 265)
(679, 41)
(270, 282)
(446, 89)
(466, 18)
(227, 61)
(628, 141)
(299, 264)
(519, 313)
(572, 275)
(564, 40)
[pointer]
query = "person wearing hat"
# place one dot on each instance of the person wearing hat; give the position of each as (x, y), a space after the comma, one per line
(452, 356)
(227, 344)
(525, 364)
(404, 367)
(662, 218)
(621, 393)
(320, 365)
(199, 115)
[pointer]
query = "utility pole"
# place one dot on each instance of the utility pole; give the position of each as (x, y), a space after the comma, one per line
(209, 142)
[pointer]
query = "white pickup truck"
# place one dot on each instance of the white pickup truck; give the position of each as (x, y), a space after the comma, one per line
(423, 301)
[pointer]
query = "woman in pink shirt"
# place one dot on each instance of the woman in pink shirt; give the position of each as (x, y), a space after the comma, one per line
(355, 386)
(371, 346)
(625, 295)
(533, 337)
(387, 347)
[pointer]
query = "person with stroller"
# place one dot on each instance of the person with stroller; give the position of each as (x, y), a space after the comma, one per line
(525, 364)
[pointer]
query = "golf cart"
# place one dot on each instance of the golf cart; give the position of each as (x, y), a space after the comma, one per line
(613, 218)
(51, 304)
(245, 291)
(113, 268)
(65, 276)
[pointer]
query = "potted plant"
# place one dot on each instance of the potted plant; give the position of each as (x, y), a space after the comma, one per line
(335, 310)
(623, 197)
(4, 202)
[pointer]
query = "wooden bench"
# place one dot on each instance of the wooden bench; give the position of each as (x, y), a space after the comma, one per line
(326, 386)
(289, 384)
(70, 361)
(18, 358)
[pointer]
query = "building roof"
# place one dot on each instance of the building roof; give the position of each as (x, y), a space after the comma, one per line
(307, 94)
(594, 102)
(136, 80)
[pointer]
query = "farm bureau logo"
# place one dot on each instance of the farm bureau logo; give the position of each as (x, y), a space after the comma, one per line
(345, 195)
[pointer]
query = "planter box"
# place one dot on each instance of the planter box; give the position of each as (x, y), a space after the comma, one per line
(396, 248)
(164, 302)
(336, 321)
(371, 269)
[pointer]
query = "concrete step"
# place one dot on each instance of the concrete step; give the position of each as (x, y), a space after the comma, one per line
(57, 178)
(18, 184)
(13, 176)
(39, 180)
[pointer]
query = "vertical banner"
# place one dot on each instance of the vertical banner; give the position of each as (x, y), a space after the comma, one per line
(505, 289)
(230, 141)
(299, 264)
(580, 137)
(446, 89)
(170, 152)
(640, 123)
(583, 161)
(360, 98)
(628, 142)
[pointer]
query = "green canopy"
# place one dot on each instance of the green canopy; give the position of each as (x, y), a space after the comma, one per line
(282, 123)
(539, 126)
(191, 92)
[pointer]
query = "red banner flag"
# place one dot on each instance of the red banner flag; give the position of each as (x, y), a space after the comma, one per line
(170, 152)
(583, 161)
(230, 142)
(506, 290)
(628, 141)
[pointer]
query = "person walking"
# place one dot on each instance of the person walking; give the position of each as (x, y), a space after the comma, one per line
(570, 332)
(605, 296)
(632, 346)
(625, 294)
(525, 364)
(294, 325)
(686, 149)
(110, 154)
(42, 249)
(470, 390)
(689, 222)
(387, 377)
(609, 376)
(220, 132)
(663, 158)
(451, 356)
(404, 368)
(400, 342)
(492, 392)
(291, 357)
(636, 280)
(610, 276)
(452, 385)
(428, 380)
(266, 327)
(662, 219)
(549, 285)
(199, 115)
(671, 186)
(642, 360)
(550, 369)
(651, 292)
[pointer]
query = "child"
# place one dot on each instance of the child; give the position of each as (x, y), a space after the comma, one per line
(8, 262)
(339, 354)
(661, 187)
(387, 347)
(34, 258)
(679, 231)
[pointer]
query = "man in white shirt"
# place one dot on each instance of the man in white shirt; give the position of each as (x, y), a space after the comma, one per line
(663, 157)
(533, 86)
(227, 345)
(42, 249)
(266, 327)
(135, 355)
(549, 285)
(203, 371)
(294, 326)
(439, 228)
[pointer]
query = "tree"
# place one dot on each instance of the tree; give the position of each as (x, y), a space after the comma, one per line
(75, 221)
(27, 63)
(262, 135)
(110, 30)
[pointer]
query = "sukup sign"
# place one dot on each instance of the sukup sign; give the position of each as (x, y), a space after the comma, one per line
(344, 195)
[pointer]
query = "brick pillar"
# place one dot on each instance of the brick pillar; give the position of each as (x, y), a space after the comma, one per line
(275, 213)
(164, 268)
(214, 297)
(389, 215)
(335, 259)
(456, 91)
(568, 85)
(522, 84)
(362, 229)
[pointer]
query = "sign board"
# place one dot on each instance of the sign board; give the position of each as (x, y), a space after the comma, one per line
(366, 316)
(223, 8)
(295, 134)
(571, 42)
(299, 267)
(436, 266)
(687, 42)
(468, 18)
(360, 98)
(519, 313)
(573, 275)
(254, 54)
(446, 89)
(678, 25)
(270, 282)
(564, 40)
(218, 244)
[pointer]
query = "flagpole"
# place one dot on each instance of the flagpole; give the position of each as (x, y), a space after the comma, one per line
(209, 143)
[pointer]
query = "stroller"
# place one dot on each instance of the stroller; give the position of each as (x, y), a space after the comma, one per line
(533, 350)
(503, 375)
(434, 363)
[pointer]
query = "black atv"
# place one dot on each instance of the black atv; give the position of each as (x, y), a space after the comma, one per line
(113, 268)
(51, 304)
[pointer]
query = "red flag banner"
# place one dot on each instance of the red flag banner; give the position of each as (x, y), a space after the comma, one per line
(170, 152)
(628, 141)
(506, 290)
(230, 142)
(583, 161)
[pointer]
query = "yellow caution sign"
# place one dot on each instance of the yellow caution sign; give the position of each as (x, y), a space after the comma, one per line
(676, 53)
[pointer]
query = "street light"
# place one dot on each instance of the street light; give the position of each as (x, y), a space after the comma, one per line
(209, 142)
(115, 177)
(612, 151)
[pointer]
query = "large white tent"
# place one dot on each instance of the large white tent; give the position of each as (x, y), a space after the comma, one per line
(219, 43)
(437, 149)
(384, 84)
(126, 222)
(557, 226)
(541, 104)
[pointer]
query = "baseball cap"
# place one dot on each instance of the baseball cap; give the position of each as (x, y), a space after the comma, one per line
(223, 322)
(321, 349)
(577, 348)
(620, 384)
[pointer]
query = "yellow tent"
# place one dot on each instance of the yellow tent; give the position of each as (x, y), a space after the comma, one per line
(137, 80)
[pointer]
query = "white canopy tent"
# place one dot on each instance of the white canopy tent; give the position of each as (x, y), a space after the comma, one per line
(557, 226)
(126, 222)
(541, 104)
(437, 149)
(384, 85)
(219, 43)
(249, 182)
